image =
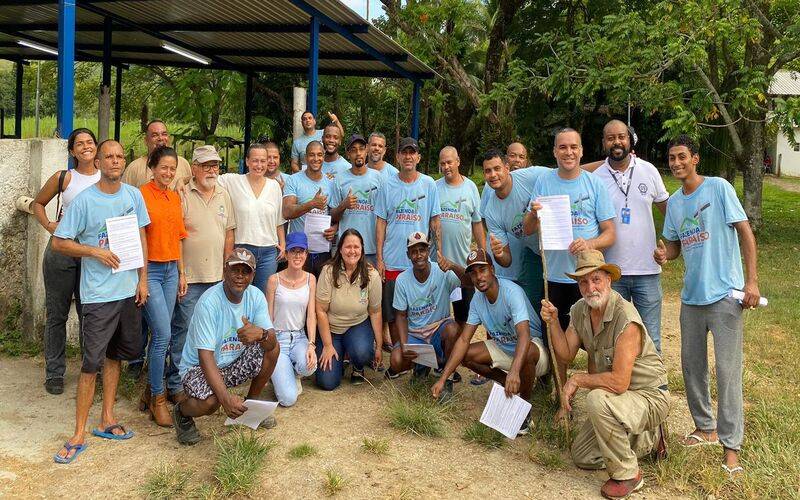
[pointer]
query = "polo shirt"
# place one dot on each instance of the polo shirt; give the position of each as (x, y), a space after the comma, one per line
(138, 173)
(166, 228)
(206, 223)
(349, 304)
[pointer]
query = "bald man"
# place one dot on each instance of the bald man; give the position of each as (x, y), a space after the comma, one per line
(517, 156)
(461, 222)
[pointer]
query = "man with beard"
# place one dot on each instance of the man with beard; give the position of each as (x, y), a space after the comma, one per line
(353, 195)
(110, 300)
(137, 174)
(231, 340)
(376, 150)
(634, 185)
(517, 156)
(210, 221)
(333, 164)
(310, 133)
(628, 400)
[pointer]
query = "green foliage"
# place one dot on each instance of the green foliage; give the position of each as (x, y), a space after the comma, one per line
(484, 436)
(12, 342)
(375, 446)
(166, 481)
(333, 483)
(414, 410)
(240, 456)
(302, 451)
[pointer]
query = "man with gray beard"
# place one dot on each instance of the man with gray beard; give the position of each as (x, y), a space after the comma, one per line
(628, 400)
(210, 221)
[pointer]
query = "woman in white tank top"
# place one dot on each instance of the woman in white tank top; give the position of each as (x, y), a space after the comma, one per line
(291, 295)
(62, 273)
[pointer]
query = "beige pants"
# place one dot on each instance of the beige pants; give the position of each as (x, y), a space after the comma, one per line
(619, 428)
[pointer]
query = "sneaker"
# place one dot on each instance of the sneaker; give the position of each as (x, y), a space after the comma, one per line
(357, 377)
(447, 393)
(455, 377)
(391, 374)
(421, 371)
(621, 489)
(526, 426)
(54, 385)
(269, 422)
(185, 429)
(299, 386)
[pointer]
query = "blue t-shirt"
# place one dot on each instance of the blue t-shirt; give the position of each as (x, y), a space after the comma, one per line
(426, 304)
(300, 144)
(304, 189)
(85, 220)
(590, 205)
(387, 171)
(405, 208)
(703, 222)
(500, 319)
(460, 207)
(214, 324)
(335, 167)
(362, 218)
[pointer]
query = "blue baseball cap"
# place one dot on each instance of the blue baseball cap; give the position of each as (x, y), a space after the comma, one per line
(296, 240)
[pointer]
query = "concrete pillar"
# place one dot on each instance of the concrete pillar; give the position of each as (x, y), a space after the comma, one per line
(298, 107)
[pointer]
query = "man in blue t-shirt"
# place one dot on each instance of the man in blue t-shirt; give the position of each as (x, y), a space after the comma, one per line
(308, 192)
(333, 164)
(310, 133)
(704, 218)
(514, 354)
(422, 307)
(111, 315)
(376, 149)
(353, 195)
(231, 340)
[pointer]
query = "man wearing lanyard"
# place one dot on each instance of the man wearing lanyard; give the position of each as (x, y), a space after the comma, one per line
(634, 186)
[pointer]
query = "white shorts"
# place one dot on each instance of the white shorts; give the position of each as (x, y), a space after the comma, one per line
(502, 360)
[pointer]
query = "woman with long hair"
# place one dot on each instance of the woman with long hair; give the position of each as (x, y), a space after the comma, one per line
(62, 274)
(348, 313)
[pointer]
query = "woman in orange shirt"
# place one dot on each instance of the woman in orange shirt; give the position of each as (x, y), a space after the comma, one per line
(165, 279)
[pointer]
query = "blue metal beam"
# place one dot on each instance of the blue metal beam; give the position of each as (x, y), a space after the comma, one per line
(415, 100)
(66, 66)
(313, 65)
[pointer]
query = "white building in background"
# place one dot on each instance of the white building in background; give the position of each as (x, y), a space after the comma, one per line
(785, 158)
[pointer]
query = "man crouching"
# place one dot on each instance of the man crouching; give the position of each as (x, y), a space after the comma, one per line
(628, 399)
(230, 340)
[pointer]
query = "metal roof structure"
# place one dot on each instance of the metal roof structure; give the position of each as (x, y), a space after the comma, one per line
(785, 82)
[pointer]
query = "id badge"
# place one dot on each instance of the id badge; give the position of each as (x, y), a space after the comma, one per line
(626, 215)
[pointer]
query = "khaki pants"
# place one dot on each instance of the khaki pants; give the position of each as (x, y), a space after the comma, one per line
(619, 428)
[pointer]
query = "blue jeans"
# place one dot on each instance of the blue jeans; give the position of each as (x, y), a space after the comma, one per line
(266, 264)
(162, 284)
(180, 326)
(291, 364)
(358, 342)
(645, 293)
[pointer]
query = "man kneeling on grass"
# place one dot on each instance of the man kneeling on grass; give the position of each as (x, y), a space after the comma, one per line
(230, 341)
(514, 354)
(628, 399)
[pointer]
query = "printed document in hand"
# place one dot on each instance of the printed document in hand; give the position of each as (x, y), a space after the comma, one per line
(315, 225)
(124, 242)
(555, 222)
(456, 295)
(426, 355)
(256, 412)
(503, 414)
(739, 295)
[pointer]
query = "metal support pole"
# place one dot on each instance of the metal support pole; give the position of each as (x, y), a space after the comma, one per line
(313, 65)
(66, 66)
(415, 99)
(248, 113)
(18, 102)
(118, 104)
(38, 101)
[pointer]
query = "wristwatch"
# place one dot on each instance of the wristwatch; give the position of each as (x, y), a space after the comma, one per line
(264, 334)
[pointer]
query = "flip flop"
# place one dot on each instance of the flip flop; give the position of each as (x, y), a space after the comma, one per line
(108, 433)
(732, 471)
(69, 447)
(699, 441)
(478, 380)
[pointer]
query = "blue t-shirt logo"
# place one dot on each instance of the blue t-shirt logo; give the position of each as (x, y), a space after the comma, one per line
(579, 215)
(423, 306)
(451, 210)
(692, 232)
(408, 211)
(364, 202)
(516, 225)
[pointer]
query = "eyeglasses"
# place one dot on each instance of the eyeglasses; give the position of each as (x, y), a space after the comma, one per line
(210, 168)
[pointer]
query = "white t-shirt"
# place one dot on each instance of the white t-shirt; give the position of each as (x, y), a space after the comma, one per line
(633, 249)
(257, 219)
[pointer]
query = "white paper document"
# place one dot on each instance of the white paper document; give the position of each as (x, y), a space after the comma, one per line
(555, 222)
(315, 225)
(256, 412)
(739, 295)
(503, 414)
(455, 296)
(124, 242)
(426, 355)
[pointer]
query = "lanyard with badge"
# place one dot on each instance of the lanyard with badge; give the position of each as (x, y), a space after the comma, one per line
(625, 213)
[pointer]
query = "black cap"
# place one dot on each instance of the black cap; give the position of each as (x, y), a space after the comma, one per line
(408, 142)
(355, 138)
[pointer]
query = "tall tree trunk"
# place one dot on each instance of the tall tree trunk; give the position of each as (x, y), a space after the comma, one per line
(753, 172)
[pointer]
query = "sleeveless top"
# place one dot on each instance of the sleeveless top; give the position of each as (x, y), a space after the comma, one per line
(291, 306)
(78, 182)
(648, 368)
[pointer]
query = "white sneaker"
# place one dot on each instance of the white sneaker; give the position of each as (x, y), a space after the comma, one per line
(299, 385)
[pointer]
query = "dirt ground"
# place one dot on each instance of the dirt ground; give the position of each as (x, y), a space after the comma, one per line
(34, 424)
(789, 184)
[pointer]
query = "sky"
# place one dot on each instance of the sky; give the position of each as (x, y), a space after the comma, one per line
(360, 6)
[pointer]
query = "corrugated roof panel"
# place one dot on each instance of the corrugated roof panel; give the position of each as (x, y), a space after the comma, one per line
(785, 83)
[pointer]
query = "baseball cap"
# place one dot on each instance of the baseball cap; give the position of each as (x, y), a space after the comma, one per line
(476, 258)
(296, 240)
(416, 238)
(205, 153)
(408, 142)
(355, 138)
(241, 256)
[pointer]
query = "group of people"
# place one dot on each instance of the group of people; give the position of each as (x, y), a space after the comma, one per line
(238, 287)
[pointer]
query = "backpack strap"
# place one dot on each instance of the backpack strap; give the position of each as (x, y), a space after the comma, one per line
(61, 176)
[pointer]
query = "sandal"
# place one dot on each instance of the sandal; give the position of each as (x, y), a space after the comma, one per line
(108, 433)
(69, 447)
(732, 471)
(699, 440)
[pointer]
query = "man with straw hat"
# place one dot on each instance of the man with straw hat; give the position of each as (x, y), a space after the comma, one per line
(628, 400)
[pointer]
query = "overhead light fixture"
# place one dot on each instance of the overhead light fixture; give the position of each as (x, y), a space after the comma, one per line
(188, 54)
(38, 46)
